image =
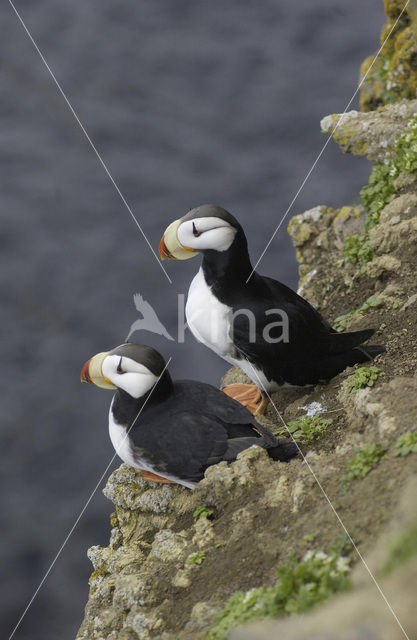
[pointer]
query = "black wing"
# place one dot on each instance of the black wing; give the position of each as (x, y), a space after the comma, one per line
(186, 443)
(306, 349)
(307, 319)
(210, 401)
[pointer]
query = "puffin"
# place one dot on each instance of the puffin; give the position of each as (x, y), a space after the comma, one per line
(173, 430)
(252, 321)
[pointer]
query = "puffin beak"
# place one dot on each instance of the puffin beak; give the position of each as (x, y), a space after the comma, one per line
(171, 248)
(85, 376)
(163, 251)
(92, 373)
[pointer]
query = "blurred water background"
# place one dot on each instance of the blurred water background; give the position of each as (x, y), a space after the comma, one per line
(188, 102)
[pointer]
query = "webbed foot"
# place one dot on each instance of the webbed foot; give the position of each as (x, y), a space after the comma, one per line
(247, 394)
(152, 477)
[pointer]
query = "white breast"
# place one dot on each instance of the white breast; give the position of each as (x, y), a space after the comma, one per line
(121, 443)
(210, 321)
(208, 318)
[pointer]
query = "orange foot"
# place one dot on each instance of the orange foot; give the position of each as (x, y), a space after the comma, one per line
(248, 395)
(152, 477)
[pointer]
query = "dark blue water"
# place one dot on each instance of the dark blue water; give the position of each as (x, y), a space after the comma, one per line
(188, 102)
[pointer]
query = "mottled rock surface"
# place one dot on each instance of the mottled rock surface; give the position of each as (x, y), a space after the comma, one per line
(362, 614)
(373, 134)
(392, 75)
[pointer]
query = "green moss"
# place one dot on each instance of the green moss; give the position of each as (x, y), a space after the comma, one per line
(375, 196)
(393, 74)
(407, 443)
(364, 377)
(402, 78)
(377, 193)
(406, 149)
(203, 512)
(357, 249)
(301, 585)
(196, 558)
(310, 537)
(306, 429)
(362, 463)
(379, 77)
(381, 72)
(340, 323)
(342, 544)
(402, 550)
(372, 302)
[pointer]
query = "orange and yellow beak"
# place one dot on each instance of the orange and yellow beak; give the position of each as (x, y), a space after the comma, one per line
(85, 373)
(164, 252)
(92, 372)
(170, 247)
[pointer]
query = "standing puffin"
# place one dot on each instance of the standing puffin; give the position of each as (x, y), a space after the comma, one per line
(276, 337)
(183, 427)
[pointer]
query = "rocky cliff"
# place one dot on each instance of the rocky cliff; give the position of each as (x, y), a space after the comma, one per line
(260, 539)
(393, 74)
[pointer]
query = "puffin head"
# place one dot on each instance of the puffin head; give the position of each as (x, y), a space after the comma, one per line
(135, 368)
(208, 227)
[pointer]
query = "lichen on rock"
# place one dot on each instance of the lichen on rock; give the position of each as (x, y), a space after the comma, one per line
(370, 135)
(392, 74)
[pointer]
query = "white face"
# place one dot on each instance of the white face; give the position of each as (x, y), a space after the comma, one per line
(129, 375)
(206, 233)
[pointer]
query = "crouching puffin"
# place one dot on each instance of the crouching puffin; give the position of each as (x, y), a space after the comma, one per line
(173, 431)
(252, 321)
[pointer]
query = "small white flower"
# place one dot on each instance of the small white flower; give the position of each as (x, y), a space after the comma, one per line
(342, 564)
(247, 595)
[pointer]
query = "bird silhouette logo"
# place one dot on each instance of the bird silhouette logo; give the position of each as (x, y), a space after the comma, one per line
(149, 321)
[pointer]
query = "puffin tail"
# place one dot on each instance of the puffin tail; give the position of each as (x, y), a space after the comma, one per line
(334, 342)
(284, 450)
(335, 363)
(369, 353)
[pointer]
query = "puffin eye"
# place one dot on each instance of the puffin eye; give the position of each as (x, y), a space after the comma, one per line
(195, 232)
(119, 367)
